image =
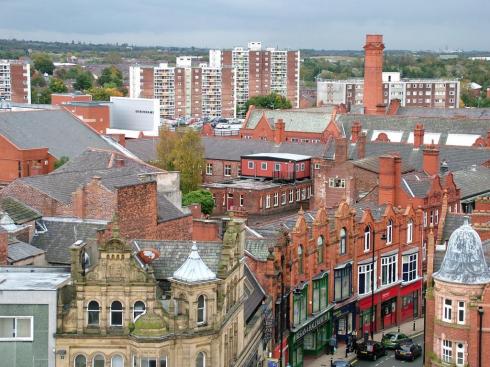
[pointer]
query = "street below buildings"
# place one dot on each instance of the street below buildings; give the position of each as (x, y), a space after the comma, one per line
(390, 361)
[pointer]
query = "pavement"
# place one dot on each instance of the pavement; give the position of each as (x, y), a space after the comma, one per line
(324, 359)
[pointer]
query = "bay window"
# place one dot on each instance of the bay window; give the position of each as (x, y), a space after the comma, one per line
(320, 299)
(343, 282)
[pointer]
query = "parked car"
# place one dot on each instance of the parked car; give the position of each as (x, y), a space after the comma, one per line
(408, 350)
(341, 363)
(370, 350)
(393, 340)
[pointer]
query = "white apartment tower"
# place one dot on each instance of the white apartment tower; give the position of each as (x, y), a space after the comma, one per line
(15, 81)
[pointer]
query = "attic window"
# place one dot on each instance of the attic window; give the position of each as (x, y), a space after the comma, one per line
(40, 227)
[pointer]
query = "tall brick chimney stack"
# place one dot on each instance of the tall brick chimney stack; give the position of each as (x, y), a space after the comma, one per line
(418, 136)
(431, 160)
(373, 74)
(341, 150)
(355, 131)
(361, 146)
(279, 130)
(389, 179)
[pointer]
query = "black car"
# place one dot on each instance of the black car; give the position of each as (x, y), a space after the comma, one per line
(370, 350)
(408, 351)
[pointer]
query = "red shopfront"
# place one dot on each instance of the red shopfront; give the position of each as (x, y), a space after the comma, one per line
(410, 300)
(285, 351)
(385, 310)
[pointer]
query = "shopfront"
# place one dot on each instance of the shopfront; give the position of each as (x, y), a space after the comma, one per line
(344, 320)
(367, 315)
(410, 298)
(311, 337)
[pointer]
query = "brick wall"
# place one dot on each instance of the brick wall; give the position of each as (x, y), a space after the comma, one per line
(219, 169)
(179, 229)
(3, 247)
(96, 116)
(94, 201)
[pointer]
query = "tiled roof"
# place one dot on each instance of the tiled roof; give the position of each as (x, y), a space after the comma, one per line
(475, 113)
(294, 120)
(174, 253)
(253, 296)
(18, 251)
(472, 182)
(58, 130)
(61, 234)
(18, 211)
(259, 247)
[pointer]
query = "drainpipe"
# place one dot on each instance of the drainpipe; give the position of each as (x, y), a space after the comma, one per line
(480, 336)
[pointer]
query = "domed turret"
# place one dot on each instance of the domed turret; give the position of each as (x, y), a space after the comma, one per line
(464, 261)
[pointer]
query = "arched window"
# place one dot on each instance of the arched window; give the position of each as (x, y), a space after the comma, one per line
(117, 361)
(80, 361)
(367, 238)
(93, 313)
(319, 243)
(138, 309)
(389, 232)
(343, 241)
(201, 359)
(99, 361)
(201, 309)
(300, 259)
(410, 231)
(116, 314)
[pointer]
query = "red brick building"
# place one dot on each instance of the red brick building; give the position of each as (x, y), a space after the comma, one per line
(64, 98)
(15, 81)
(94, 114)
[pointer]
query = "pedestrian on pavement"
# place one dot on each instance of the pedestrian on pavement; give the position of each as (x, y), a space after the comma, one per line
(333, 344)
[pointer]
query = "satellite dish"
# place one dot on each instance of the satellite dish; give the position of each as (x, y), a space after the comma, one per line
(148, 255)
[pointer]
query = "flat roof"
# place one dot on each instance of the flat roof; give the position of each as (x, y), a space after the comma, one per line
(249, 184)
(282, 156)
(29, 278)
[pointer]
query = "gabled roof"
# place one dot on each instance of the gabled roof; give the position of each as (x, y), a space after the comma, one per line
(476, 113)
(18, 251)
(473, 181)
(18, 211)
(174, 253)
(294, 120)
(417, 184)
(254, 295)
(58, 130)
(194, 270)
(61, 234)
(167, 210)
(259, 247)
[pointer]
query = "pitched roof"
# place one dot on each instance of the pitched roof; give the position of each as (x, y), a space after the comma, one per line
(194, 270)
(167, 210)
(18, 251)
(475, 113)
(472, 182)
(58, 130)
(61, 234)
(259, 247)
(254, 295)
(416, 184)
(174, 253)
(18, 211)
(294, 120)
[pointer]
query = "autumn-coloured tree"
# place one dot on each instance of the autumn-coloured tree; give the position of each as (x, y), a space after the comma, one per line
(188, 158)
(165, 147)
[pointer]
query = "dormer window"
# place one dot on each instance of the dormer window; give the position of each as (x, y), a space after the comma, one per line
(201, 310)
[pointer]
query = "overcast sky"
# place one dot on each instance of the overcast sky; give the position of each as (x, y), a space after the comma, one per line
(320, 24)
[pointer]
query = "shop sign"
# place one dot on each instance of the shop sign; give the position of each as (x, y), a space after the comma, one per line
(389, 294)
(311, 326)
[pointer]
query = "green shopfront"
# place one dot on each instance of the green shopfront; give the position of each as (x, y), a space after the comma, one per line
(309, 334)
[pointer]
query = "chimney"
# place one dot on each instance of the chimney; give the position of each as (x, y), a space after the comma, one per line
(431, 160)
(341, 150)
(355, 131)
(418, 136)
(119, 162)
(4, 243)
(389, 179)
(279, 128)
(373, 74)
(361, 146)
(430, 256)
(394, 106)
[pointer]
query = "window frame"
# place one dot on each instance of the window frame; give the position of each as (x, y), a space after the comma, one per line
(410, 231)
(263, 166)
(367, 238)
(203, 308)
(242, 200)
(267, 201)
(389, 232)
(209, 169)
(113, 312)
(276, 199)
(203, 354)
(447, 310)
(15, 328)
(227, 170)
(251, 164)
(300, 260)
(366, 271)
(140, 313)
(344, 277)
(461, 312)
(80, 355)
(117, 355)
(320, 249)
(389, 270)
(89, 311)
(97, 355)
(343, 241)
(291, 196)
(447, 351)
(410, 267)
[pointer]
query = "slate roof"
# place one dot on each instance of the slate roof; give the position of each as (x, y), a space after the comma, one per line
(372, 164)
(167, 210)
(416, 184)
(174, 253)
(254, 296)
(61, 183)
(294, 120)
(472, 182)
(18, 251)
(453, 222)
(194, 270)
(259, 247)
(19, 212)
(464, 261)
(58, 130)
(61, 234)
(475, 113)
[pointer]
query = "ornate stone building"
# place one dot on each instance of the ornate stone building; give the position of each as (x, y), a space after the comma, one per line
(126, 311)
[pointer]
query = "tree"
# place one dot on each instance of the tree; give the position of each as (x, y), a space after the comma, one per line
(41, 96)
(165, 147)
(203, 197)
(104, 94)
(83, 81)
(188, 158)
(43, 63)
(111, 77)
(57, 86)
(271, 101)
(63, 159)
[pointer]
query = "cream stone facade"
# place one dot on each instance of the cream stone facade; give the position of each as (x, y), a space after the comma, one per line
(119, 314)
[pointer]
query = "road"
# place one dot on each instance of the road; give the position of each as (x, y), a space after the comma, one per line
(390, 361)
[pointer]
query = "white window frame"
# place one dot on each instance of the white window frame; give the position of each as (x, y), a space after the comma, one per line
(204, 310)
(390, 275)
(291, 196)
(343, 241)
(298, 194)
(263, 166)
(15, 337)
(425, 218)
(251, 164)
(242, 199)
(412, 261)
(367, 238)
(460, 354)
(277, 167)
(284, 199)
(437, 216)
(209, 169)
(116, 311)
(117, 355)
(268, 201)
(317, 166)
(447, 310)
(276, 199)
(139, 314)
(98, 312)
(461, 317)
(302, 167)
(447, 351)
(227, 170)
(366, 269)
(410, 231)
(389, 232)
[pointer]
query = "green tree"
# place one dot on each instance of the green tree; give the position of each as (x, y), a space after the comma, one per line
(43, 63)
(83, 81)
(63, 159)
(271, 101)
(57, 86)
(165, 147)
(41, 95)
(111, 77)
(188, 158)
(104, 94)
(203, 197)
